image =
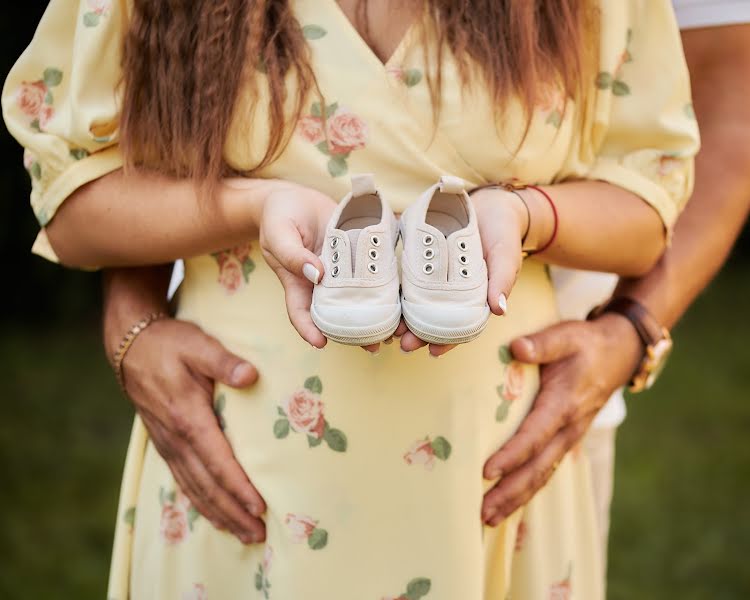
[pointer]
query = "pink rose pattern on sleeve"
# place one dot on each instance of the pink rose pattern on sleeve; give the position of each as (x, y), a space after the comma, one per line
(98, 10)
(36, 100)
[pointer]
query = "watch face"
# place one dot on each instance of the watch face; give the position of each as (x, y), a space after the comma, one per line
(657, 360)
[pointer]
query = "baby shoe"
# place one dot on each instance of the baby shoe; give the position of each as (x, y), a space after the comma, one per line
(357, 300)
(443, 273)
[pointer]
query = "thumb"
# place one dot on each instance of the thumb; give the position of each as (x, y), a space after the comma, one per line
(211, 359)
(549, 345)
(285, 244)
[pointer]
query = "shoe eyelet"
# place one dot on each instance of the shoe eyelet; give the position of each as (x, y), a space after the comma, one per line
(335, 271)
(462, 245)
(463, 259)
(372, 267)
(427, 240)
(334, 242)
(428, 253)
(375, 240)
(464, 272)
(428, 268)
(335, 257)
(373, 254)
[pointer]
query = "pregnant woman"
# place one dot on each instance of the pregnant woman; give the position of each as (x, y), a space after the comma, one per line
(222, 132)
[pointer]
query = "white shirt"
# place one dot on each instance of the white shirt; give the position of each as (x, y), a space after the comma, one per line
(579, 291)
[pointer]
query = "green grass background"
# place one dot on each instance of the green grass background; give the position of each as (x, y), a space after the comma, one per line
(681, 516)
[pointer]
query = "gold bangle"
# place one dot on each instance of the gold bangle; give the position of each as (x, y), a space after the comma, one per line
(127, 342)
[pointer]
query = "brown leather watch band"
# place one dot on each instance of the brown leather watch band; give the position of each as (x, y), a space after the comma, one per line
(645, 324)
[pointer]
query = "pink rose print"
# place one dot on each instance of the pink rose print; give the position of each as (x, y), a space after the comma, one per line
(512, 386)
(197, 593)
(262, 584)
(302, 412)
(613, 80)
(311, 128)
(562, 590)
(335, 132)
(346, 132)
(235, 266)
(98, 9)
(174, 523)
(300, 526)
(425, 452)
(35, 99)
(513, 381)
(521, 533)
(552, 103)
(28, 159)
(230, 275)
(30, 98)
(304, 528)
(409, 77)
(177, 516)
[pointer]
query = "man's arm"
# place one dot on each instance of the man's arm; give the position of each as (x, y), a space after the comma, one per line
(584, 362)
(719, 58)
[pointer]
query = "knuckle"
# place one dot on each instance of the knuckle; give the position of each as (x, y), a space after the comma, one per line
(181, 425)
(538, 479)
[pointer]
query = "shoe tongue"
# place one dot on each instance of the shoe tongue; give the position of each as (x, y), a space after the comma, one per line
(353, 235)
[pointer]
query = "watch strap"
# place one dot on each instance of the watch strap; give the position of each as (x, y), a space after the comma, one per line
(648, 328)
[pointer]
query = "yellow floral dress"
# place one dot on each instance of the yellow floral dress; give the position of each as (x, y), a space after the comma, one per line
(371, 467)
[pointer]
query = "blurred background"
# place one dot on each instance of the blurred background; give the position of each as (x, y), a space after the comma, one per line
(681, 514)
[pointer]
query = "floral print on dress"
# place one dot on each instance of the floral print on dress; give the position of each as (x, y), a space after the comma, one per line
(35, 98)
(512, 386)
(262, 584)
(32, 164)
(417, 588)
(409, 77)
(303, 412)
(235, 266)
(177, 516)
(98, 9)
(219, 404)
(562, 590)
(128, 517)
(552, 103)
(198, 592)
(305, 529)
(606, 80)
(426, 451)
(336, 132)
(313, 32)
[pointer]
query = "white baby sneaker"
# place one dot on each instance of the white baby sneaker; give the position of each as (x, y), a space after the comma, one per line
(357, 300)
(443, 273)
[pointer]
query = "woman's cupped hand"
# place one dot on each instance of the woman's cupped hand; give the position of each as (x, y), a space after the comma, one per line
(502, 220)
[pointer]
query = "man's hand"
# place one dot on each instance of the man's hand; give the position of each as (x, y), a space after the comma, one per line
(582, 364)
(169, 374)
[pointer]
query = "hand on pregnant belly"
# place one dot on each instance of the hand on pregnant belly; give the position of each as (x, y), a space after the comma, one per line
(582, 364)
(169, 372)
(292, 229)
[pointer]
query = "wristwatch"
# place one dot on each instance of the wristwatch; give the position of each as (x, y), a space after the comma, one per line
(656, 339)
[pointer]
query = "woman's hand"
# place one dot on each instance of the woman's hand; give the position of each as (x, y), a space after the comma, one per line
(292, 228)
(582, 364)
(503, 220)
(169, 374)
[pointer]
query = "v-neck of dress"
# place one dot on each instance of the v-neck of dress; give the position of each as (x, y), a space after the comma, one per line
(348, 26)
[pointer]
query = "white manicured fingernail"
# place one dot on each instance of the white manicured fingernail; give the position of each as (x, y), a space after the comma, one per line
(435, 355)
(502, 302)
(311, 273)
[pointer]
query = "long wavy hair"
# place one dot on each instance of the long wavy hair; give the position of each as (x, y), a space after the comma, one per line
(185, 61)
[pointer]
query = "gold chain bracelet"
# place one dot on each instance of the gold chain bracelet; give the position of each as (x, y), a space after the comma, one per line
(127, 342)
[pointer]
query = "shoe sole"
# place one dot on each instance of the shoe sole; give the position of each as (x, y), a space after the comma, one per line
(444, 335)
(357, 336)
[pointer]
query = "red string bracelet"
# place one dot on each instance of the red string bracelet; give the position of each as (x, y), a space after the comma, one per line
(554, 212)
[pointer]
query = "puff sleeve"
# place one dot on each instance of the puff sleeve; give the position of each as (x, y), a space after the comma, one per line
(641, 133)
(60, 102)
